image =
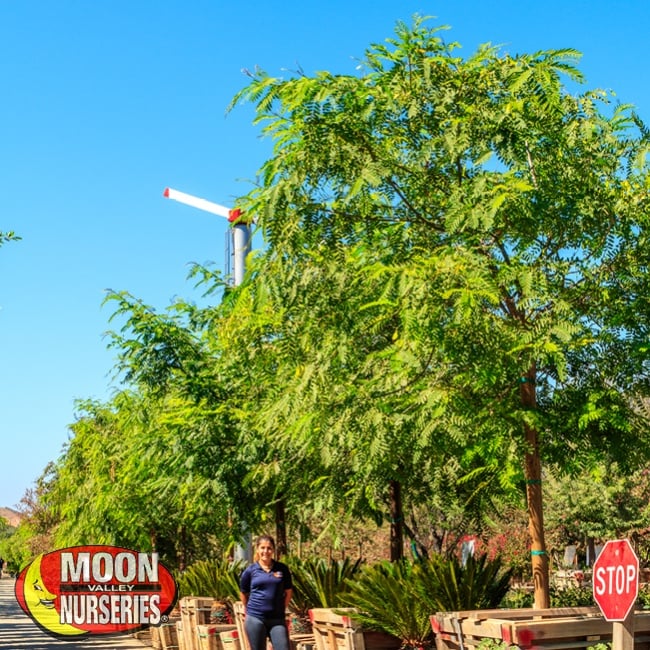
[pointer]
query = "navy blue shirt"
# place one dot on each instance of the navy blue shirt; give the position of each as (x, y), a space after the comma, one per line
(266, 590)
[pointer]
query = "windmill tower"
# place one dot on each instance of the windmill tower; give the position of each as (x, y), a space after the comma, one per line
(239, 246)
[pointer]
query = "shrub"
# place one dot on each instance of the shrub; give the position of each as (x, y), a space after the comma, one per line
(518, 599)
(218, 579)
(572, 597)
(399, 597)
(318, 583)
(389, 600)
(450, 585)
(643, 600)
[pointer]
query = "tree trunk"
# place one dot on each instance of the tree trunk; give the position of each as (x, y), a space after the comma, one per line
(591, 551)
(396, 521)
(533, 474)
(280, 528)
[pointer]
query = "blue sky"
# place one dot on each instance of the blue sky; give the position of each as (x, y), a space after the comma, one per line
(105, 103)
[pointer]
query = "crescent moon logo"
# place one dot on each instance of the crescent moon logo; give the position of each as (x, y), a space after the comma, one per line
(40, 603)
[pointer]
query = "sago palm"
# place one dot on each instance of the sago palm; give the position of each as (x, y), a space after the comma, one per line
(388, 600)
(319, 583)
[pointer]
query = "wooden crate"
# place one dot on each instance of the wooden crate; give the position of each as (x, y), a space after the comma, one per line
(195, 611)
(156, 644)
(563, 628)
(302, 642)
(164, 636)
(240, 615)
(335, 630)
(145, 636)
(208, 636)
(230, 640)
(180, 636)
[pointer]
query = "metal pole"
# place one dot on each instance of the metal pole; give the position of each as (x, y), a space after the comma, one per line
(241, 240)
(241, 243)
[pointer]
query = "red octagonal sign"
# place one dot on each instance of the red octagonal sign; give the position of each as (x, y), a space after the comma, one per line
(616, 579)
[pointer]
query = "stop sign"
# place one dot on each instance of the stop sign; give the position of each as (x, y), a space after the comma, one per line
(616, 579)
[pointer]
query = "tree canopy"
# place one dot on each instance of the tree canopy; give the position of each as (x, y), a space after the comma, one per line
(482, 216)
(453, 294)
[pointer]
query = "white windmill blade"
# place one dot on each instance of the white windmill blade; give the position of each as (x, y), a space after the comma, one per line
(195, 202)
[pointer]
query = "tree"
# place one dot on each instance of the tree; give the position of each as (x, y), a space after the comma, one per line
(499, 210)
(132, 475)
(179, 359)
(334, 404)
(599, 505)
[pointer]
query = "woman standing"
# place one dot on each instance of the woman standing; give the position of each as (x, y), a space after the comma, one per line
(266, 589)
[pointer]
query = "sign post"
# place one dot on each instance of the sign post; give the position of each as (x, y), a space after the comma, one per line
(615, 588)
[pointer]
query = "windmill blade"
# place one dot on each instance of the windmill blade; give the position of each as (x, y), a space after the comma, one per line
(195, 202)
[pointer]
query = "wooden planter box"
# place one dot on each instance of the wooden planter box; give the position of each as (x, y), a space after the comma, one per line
(164, 636)
(334, 630)
(144, 636)
(197, 630)
(230, 640)
(180, 636)
(209, 637)
(547, 629)
(195, 611)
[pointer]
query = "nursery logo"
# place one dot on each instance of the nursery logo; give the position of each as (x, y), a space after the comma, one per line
(92, 590)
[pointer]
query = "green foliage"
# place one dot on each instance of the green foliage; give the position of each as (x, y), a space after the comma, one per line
(6, 530)
(389, 598)
(518, 599)
(603, 503)
(450, 248)
(137, 473)
(507, 538)
(20, 547)
(454, 280)
(218, 579)
(643, 600)
(450, 585)
(572, 597)
(8, 546)
(399, 597)
(493, 644)
(7, 236)
(319, 583)
(565, 597)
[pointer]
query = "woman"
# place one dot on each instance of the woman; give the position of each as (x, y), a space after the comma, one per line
(266, 589)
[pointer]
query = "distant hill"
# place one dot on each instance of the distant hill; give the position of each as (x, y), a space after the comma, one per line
(12, 516)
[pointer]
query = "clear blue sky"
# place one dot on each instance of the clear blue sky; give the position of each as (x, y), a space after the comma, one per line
(103, 104)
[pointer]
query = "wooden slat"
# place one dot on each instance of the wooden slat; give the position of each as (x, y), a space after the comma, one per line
(180, 638)
(238, 610)
(334, 617)
(333, 630)
(230, 640)
(553, 629)
(166, 635)
(524, 612)
(208, 638)
(563, 628)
